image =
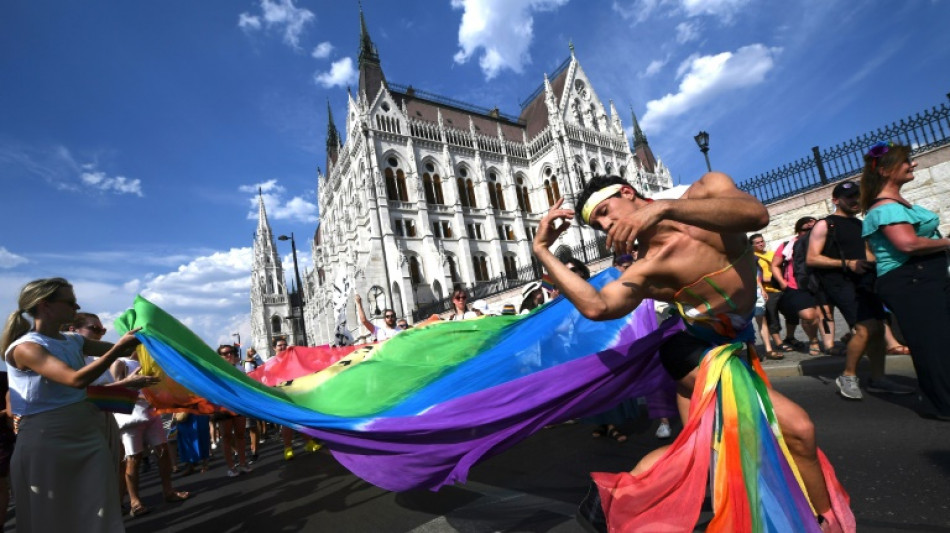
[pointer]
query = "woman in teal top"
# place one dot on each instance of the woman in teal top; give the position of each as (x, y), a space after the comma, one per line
(912, 268)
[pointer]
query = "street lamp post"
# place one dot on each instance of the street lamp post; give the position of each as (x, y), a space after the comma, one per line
(298, 299)
(702, 140)
(238, 336)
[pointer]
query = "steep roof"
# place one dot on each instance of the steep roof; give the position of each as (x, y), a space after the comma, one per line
(534, 112)
(425, 106)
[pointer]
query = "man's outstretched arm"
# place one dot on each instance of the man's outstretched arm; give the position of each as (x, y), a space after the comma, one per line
(715, 204)
(616, 299)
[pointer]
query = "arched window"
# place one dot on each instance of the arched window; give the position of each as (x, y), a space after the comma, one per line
(415, 271)
(480, 265)
(623, 171)
(453, 270)
(401, 185)
(521, 191)
(551, 188)
(391, 192)
(427, 187)
(593, 166)
(470, 188)
(511, 267)
(437, 185)
(608, 168)
(492, 192)
(463, 193)
(275, 324)
(578, 116)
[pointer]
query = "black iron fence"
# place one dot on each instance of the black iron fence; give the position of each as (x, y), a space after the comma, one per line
(588, 251)
(921, 132)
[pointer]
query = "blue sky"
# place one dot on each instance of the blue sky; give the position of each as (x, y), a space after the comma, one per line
(134, 135)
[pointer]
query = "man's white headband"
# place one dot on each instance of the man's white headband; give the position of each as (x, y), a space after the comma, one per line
(595, 200)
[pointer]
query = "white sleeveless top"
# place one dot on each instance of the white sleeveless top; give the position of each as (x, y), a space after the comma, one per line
(31, 393)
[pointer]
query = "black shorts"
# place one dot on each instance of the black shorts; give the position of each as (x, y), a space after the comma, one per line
(794, 301)
(855, 301)
(681, 354)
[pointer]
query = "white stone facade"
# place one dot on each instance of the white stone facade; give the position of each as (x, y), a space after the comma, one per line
(271, 313)
(427, 193)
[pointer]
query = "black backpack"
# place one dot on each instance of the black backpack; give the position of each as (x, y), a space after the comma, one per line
(804, 275)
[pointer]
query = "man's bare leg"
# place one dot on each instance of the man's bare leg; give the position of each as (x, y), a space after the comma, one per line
(799, 433)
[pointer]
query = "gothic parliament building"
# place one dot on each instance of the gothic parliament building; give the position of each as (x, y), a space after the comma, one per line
(427, 193)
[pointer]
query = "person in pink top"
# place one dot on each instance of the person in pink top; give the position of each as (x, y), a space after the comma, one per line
(795, 301)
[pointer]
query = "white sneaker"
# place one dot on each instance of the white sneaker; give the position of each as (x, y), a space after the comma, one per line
(245, 469)
(663, 432)
(233, 472)
(849, 388)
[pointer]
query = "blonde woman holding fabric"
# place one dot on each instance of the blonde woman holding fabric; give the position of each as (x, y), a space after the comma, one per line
(62, 474)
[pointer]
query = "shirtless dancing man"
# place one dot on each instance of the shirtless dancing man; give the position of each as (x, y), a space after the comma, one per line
(700, 236)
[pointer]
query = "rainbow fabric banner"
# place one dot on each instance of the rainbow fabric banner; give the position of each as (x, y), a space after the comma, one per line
(419, 410)
(732, 435)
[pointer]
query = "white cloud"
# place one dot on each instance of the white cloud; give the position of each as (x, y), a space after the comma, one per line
(686, 32)
(654, 67)
(341, 73)
(118, 184)
(322, 51)
(723, 9)
(705, 77)
(208, 292)
(641, 10)
(279, 15)
(638, 10)
(9, 259)
(278, 208)
(502, 29)
(249, 22)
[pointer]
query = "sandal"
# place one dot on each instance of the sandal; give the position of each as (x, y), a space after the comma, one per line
(814, 349)
(898, 349)
(798, 345)
(138, 510)
(176, 496)
(599, 432)
(772, 356)
(617, 435)
(785, 347)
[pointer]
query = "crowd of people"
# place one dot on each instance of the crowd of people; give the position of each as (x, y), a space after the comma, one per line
(871, 272)
(886, 272)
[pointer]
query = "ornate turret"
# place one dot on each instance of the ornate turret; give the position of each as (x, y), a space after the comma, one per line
(333, 140)
(371, 73)
(640, 146)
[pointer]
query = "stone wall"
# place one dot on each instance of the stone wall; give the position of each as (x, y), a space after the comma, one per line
(930, 189)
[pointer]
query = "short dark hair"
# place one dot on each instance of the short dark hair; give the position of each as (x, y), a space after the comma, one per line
(755, 236)
(228, 346)
(579, 267)
(595, 184)
(278, 339)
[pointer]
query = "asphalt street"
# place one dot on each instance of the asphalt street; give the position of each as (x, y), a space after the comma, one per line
(894, 463)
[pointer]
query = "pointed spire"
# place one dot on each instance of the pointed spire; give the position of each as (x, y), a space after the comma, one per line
(640, 146)
(333, 139)
(263, 226)
(570, 44)
(371, 73)
(333, 134)
(638, 136)
(367, 48)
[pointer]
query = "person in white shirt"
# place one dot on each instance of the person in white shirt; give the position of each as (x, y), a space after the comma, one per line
(385, 332)
(62, 473)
